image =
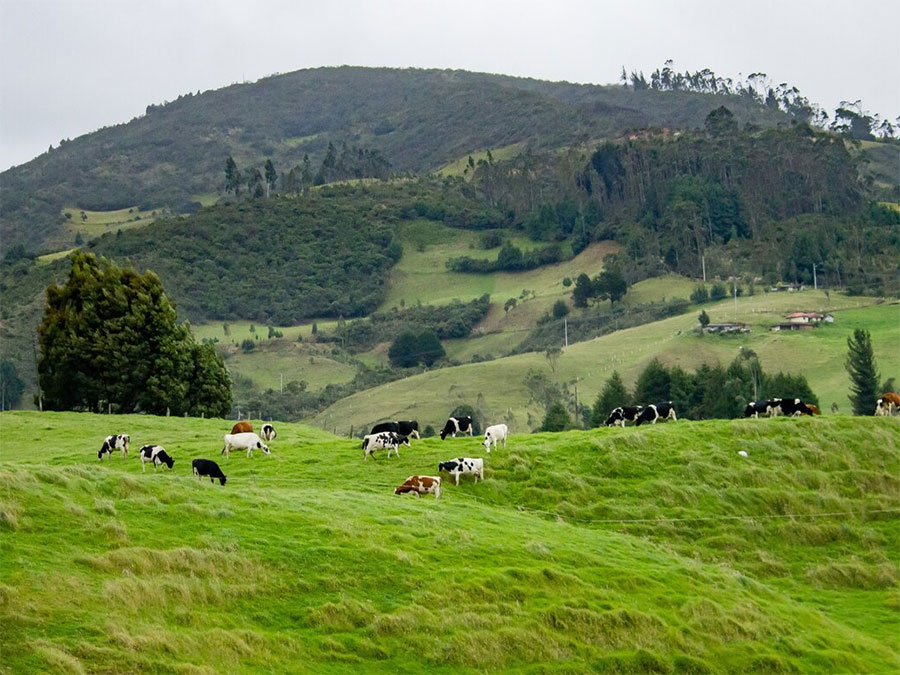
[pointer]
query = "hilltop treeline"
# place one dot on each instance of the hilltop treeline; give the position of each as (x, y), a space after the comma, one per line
(750, 202)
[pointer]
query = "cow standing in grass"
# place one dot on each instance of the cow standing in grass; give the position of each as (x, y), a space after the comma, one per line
(457, 425)
(657, 411)
(156, 454)
(888, 404)
(113, 443)
(244, 441)
(421, 485)
(386, 440)
(207, 467)
(464, 466)
(622, 414)
(494, 434)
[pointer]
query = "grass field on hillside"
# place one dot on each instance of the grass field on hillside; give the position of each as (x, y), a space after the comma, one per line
(498, 387)
(582, 551)
(458, 167)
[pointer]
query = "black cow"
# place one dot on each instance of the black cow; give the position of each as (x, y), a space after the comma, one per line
(457, 425)
(757, 408)
(386, 426)
(408, 428)
(794, 407)
(656, 411)
(623, 414)
(207, 467)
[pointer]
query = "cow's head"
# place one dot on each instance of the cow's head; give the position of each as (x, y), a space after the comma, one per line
(100, 454)
(260, 446)
(403, 440)
(169, 462)
(222, 480)
(614, 417)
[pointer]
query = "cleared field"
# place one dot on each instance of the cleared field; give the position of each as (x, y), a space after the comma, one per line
(96, 223)
(583, 551)
(458, 167)
(278, 359)
(499, 387)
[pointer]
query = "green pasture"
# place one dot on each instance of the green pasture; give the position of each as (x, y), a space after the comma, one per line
(277, 361)
(630, 550)
(97, 223)
(458, 166)
(498, 387)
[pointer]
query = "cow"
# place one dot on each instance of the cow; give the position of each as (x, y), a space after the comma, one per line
(457, 425)
(496, 433)
(888, 404)
(268, 432)
(242, 427)
(408, 428)
(420, 485)
(207, 467)
(657, 411)
(386, 440)
(114, 442)
(242, 441)
(462, 466)
(156, 454)
(381, 427)
(814, 409)
(757, 408)
(793, 407)
(622, 414)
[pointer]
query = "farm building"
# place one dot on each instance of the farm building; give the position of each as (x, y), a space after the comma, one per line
(789, 288)
(809, 317)
(793, 325)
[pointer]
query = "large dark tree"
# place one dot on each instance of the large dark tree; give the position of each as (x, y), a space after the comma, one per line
(613, 395)
(11, 386)
(109, 337)
(863, 371)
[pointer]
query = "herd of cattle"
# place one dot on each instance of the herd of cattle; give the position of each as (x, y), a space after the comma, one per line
(389, 436)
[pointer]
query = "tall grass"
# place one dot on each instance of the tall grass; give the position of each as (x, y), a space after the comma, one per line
(656, 549)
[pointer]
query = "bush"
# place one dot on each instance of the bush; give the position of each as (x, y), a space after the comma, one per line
(700, 295)
(248, 345)
(718, 292)
(560, 309)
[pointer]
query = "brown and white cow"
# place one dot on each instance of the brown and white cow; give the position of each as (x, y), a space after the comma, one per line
(888, 404)
(421, 485)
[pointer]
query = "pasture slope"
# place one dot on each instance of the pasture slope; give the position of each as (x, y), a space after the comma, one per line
(630, 550)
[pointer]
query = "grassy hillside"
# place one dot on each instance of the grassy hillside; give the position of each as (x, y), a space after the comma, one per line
(580, 551)
(498, 387)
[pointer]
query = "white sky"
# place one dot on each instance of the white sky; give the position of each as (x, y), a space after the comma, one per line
(68, 67)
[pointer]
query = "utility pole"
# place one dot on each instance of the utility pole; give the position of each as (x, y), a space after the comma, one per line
(282, 383)
(703, 261)
(566, 328)
(815, 281)
(734, 286)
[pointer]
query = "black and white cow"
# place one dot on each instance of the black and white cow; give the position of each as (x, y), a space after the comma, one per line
(793, 407)
(268, 432)
(156, 454)
(115, 442)
(408, 428)
(381, 427)
(207, 467)
(657, 411)
(457, 425)
(244, 441)
(463, 466)
(757, 408)
(386, 440)
(622, 414)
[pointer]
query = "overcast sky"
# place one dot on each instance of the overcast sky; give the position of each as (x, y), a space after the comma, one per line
(68, 67)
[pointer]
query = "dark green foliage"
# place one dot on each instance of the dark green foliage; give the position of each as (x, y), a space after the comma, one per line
(703, 319)
(327, 256)
(613, 395)
(510, 259)
(109, 338)
(718, 292)
(699, 295)
(583, 291)
(428, 431)
(411, 349)
(248, 345)
(11, 387)
(609, 285)
(653, 384)
(560, 309)
(864, 377)
(557, 418)
(721, 122)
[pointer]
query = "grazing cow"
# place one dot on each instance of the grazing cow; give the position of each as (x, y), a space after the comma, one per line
(622, 414)
(463, 466)
(386, 440)
(408, 428)
(657, 411)
(268, 432)
(888, 404)
(757, 408)
(457, 425)
(115, 442)
(381, 427)
(207, 467)
(246, 440)
(242, 427)
(494, 434)
(157, 455)
(421, 485)
(814, 409)
(793, 407)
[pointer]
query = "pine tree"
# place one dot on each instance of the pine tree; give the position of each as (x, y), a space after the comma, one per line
(271, 177)
(863, 372)
(557, 418)
(614, 394)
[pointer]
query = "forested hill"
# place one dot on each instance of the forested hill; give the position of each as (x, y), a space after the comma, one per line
(417, 120)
